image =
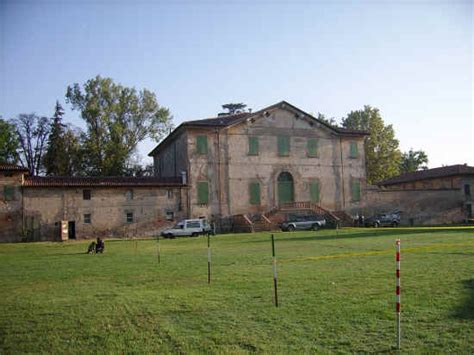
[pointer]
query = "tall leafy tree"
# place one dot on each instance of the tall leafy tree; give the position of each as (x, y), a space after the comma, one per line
(329, 121)
(382, 155)
(9, 144)
(413, 161)
(117, 119)
(32, 132)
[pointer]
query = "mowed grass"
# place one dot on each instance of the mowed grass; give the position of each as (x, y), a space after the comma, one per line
(336, 293)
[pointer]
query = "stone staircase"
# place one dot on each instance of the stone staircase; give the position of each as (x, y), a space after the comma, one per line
(261, 222)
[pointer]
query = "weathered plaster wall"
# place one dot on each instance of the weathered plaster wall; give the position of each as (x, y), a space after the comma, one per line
(172, 159)
(11, 209)
(229, 168)
(45, 207)
(437, 204)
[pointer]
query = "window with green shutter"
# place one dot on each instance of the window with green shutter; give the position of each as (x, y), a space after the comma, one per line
(314, 191)
(254, 193)
(203, 193)
(9, 193)
(201, 144)
(253, 145)
(312, 147)
(355, 189)
(354, 152)
(283, 146)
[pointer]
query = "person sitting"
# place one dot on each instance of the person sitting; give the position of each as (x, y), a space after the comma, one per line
(91, 248)
(100, 246)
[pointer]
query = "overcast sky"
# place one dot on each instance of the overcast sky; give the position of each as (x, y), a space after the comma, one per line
(412, 60)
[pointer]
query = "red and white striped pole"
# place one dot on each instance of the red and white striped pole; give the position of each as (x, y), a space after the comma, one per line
(397, 243)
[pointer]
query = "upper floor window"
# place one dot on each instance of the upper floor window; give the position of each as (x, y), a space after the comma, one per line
(254, 190)
(129, 195)
(312, 147)
(355, 190)
(467, 190)
(86, 194)
(201, 145)
(253, 145)
(283, 146)
(354, 150)
(202, 192)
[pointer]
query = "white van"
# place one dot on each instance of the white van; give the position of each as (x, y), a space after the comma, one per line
(187, 228)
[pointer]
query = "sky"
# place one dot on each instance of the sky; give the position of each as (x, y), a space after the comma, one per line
(412, 60)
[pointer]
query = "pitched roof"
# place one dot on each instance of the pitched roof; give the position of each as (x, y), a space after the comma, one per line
(109, 181)
(229, 120)
(445, 171)
(11, 167)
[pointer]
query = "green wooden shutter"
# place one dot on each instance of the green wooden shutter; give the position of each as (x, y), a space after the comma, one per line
(283, 146)
(355, 190)
(203, 192)
(201, 144)
(312, 146)
(254, 193)
(253, 145)
(8, 193)
(314, 191)
(354, 151)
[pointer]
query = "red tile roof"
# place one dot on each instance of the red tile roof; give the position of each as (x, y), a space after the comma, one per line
(445, 171)
(110, 181)
(11, 167)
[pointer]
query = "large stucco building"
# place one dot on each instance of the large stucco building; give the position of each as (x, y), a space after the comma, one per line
(251, 163)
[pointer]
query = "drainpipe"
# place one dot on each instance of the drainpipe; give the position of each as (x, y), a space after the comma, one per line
(342, 176)
(219, 185)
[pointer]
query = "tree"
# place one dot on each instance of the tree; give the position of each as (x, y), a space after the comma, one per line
(117, 119)
(382, 155)
(234, 108)
(413, 161)
(32, 133)
(329, 121)
(55, 156)
(9, 144)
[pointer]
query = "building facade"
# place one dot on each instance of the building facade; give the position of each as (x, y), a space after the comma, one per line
(435, 196)
(255, 162)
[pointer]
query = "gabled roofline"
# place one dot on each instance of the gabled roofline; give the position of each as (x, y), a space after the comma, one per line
(238, 120)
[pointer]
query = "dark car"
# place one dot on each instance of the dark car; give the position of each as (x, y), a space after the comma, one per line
(310, 222)
(383, 220)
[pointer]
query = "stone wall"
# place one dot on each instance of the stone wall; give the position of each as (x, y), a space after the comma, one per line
(418, 206)
(10, 206)
(45, 207)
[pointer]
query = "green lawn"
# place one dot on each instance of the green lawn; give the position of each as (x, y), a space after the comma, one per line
(336, 292)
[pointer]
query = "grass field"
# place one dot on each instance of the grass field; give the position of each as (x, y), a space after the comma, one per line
(336, 292)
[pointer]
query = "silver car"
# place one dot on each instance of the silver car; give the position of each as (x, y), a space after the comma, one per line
(311, 222)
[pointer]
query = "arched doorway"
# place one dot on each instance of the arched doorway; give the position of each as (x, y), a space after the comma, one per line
(285, 188)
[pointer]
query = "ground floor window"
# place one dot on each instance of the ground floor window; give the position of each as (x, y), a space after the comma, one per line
(202, 192)
(355, 190)
(87, 218)
(314, 191)
(254, 190)
(129, 217)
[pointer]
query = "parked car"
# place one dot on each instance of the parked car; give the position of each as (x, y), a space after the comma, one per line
(187, 228)
(311, 222)
(383, 220)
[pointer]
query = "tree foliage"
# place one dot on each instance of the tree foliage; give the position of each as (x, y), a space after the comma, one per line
(117, 119)
(413, 161)
(9, 144)
(329, 121)
(32, 133)
(382, 155)
(233, 108)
